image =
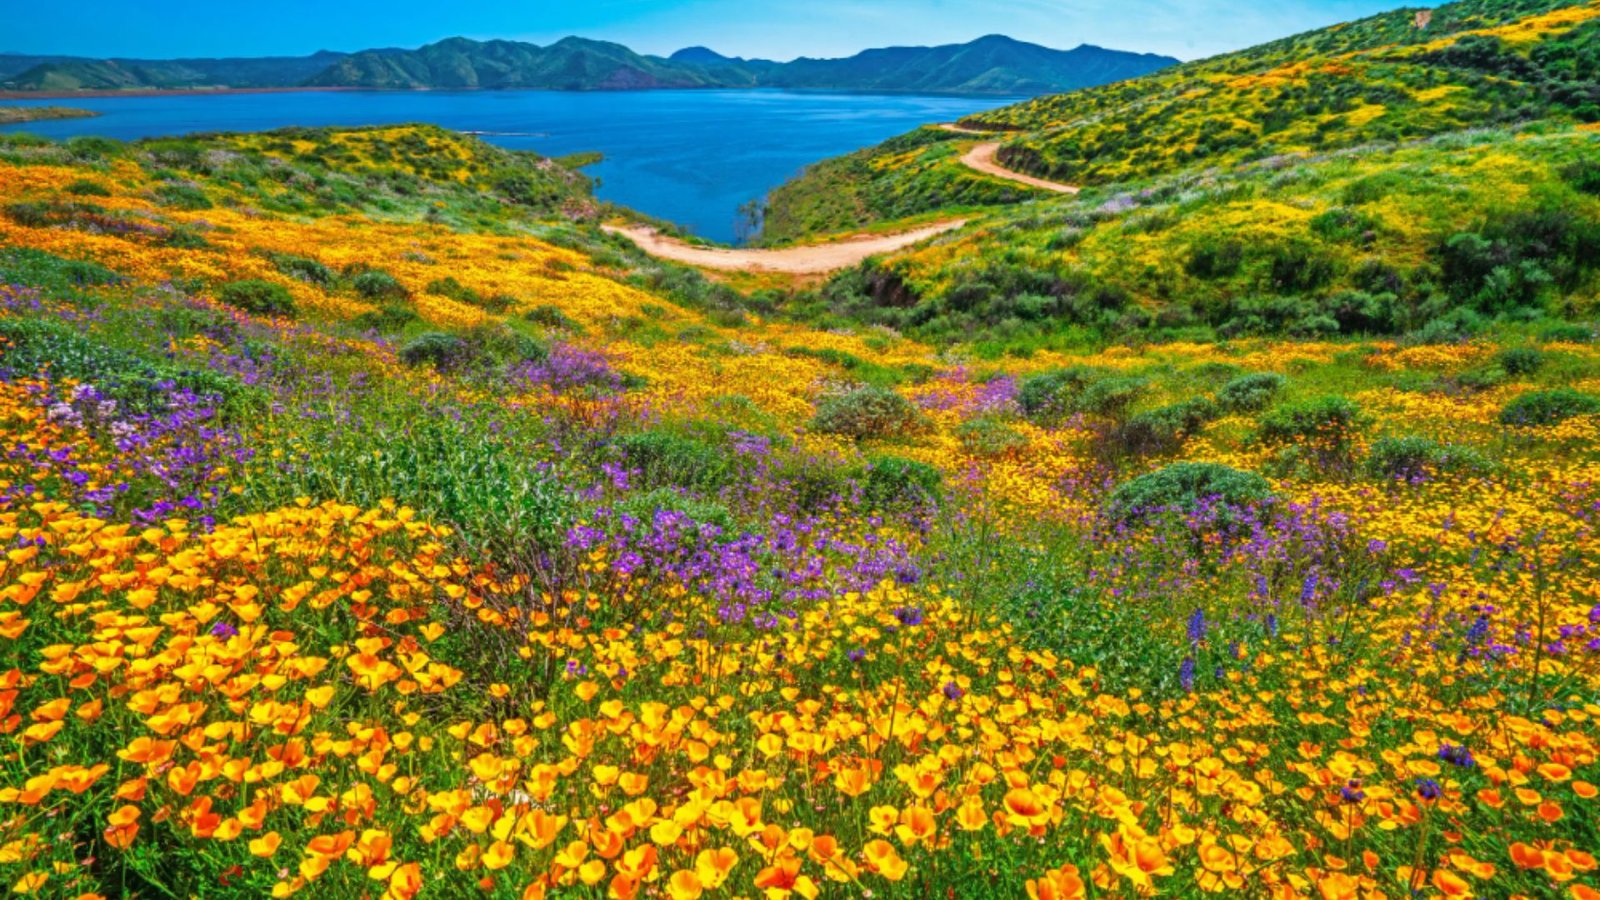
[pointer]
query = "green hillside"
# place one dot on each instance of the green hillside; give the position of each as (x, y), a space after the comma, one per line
(1410, 174)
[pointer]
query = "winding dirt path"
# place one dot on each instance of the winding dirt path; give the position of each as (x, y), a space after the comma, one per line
(809, 259)
(983, 158)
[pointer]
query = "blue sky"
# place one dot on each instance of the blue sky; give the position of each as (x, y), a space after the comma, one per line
(778, 29)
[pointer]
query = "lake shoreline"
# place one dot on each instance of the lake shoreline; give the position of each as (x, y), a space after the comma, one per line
(224, 91)
(21, 115)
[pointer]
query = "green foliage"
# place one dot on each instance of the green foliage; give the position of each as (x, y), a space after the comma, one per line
(989, 437)
(30, 346)
(1164, 429)
(1051, 396)
(1213, 257)
(303, 269)
(665, 458)
(1181, 486)
(1548, 408)
(444, 351)
(1251, 392)
(183, 196)
(867, 412)
(895, 481)
(83, 187)
(1328, 418)
(51, 273)
(552, 317)
(1520, 360)
(643, 506)
(455, 290)
(263, 298)
(391, 318)
(377, 285)
(1412, 457)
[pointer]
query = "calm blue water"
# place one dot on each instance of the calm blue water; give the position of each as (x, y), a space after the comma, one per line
(688, 156)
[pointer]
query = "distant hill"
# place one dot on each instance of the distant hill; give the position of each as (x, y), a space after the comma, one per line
(989, 65)
(57, 74)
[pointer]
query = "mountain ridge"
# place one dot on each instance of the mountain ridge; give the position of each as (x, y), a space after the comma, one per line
(992, 64)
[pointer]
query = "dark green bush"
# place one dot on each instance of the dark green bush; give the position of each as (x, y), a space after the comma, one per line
(552, 317)
(989, 437)
(23, 265)
(1567, 334)
(1297, 267)
(1251, 392)
(1413, 457)
(894, 481)
(1050, 396)
(1164, 429)
(1584, 175)
(1214, 258)
(263, 298)
(1548, 408)
(1111, 396)
(83, 187)
(1344, 224)
(455, 290)
(378, 285)
(445, 352)
(1325, 417)
(1181, 486)
(183, 196)
(31, 346)
(303, 269)
(867, 412)
(389, 319)
(662, 458)
(644, 507)
(1520, 360)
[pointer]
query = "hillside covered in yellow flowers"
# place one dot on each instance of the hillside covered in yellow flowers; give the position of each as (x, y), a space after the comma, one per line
(376, 524)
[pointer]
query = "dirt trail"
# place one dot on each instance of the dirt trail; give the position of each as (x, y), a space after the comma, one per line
(809, 259)
(981, 158)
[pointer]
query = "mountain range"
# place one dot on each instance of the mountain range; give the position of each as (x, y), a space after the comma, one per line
(988, 65)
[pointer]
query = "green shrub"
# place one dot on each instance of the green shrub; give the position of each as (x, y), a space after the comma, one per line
(30, 346)
(1181, 486)
(1584, 175)
(455, 290)
(1567, 334)
(83, 187)
(989, 437)
(644, 507)
(1251, 392)
(263, 298)
(1413, 457)
(1164, 429)
(867, 412)
(1111, 396)
(1344, 224)
(389, 319)
(552, 317)
(445, 352)
(302, 268)
(1330, 418)
(1548, 408)
(1050, 396)
(662, 458)
(378, 285)
(1215, 258)
(23, 265)
(894, 481)
(1520, 360)
(183, 196)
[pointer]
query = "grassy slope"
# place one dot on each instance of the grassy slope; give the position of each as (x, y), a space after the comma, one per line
(1251, 192)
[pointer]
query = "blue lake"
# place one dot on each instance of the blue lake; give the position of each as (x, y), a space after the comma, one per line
(689, 156)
